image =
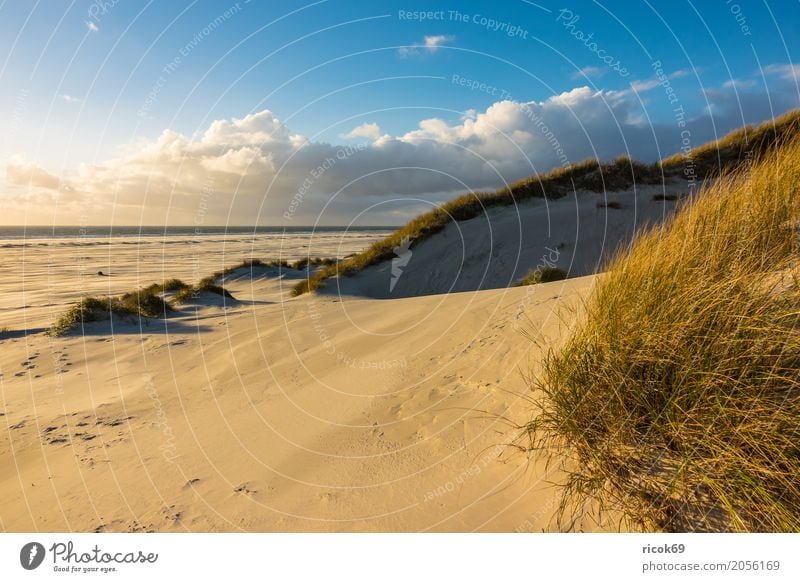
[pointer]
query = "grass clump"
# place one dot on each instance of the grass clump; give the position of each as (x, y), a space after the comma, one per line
(206, 285)
(742, 146)
(307, 262)
(543, 275)
(141, 303)
(677, 399)
(168, 286)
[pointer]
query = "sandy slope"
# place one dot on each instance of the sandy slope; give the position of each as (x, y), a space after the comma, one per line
(332, 412)
(282, 414)
(501, 246)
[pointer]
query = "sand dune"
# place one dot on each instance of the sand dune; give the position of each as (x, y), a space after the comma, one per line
(329, 412)
(577, 233)
(277, 414)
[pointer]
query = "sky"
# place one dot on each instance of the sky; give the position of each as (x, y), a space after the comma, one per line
(336, 112)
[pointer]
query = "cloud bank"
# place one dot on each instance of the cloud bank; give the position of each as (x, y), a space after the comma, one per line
(254, 169)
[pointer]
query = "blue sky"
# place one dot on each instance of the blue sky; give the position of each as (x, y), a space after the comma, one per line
(96, 84)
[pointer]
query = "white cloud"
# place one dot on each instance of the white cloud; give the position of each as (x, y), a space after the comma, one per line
(23, 173)
(92, 26)
(588, 72)
(739, 84)
(433, 43)
(788, 72)
(429, 44)
(367, 130)
(70, 98)
(640, 86)
(257, 168)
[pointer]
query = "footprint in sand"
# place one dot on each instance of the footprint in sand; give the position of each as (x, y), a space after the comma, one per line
(244, 489)
(172, 514)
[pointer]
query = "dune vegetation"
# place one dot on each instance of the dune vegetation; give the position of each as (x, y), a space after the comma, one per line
(157, 300)
(707, 161)
(149, 302)
(676, 400)
(543, 275)
(142, 303)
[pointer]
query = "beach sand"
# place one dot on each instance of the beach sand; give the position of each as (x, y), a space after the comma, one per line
(328, 412)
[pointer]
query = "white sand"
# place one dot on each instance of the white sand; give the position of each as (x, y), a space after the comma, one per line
(318, 413)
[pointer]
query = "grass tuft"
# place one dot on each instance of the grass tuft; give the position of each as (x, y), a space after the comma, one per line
(542, 275)
(677, 399)
(141, 303)
(307, 262)
(206, 285)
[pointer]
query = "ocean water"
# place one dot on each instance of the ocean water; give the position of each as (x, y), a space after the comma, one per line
(95, 234)
(45, 269)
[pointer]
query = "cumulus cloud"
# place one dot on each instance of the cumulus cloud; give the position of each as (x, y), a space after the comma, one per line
(367, 130)
(92, 26)
(432, 43)
(22, 173)
(255, 169)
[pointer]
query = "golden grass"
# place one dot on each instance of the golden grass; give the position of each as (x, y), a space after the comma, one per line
(146, 302)
(141, 303)
(677, 399)
(739, 147)
(591, 175)
(542, 275)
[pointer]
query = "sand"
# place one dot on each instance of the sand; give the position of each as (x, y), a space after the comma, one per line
(330, 412)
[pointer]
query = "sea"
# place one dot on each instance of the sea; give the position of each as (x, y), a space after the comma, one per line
(47, 268)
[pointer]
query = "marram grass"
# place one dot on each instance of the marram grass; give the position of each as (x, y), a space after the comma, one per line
(676, 400)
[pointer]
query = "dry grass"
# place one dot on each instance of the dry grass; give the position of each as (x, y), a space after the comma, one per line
(591, 175)
(206, 285)
(677, 399)
(147, 302)
(739, 147)
(141, 303)
(308, 262)
(543, 275)
(168, 286)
